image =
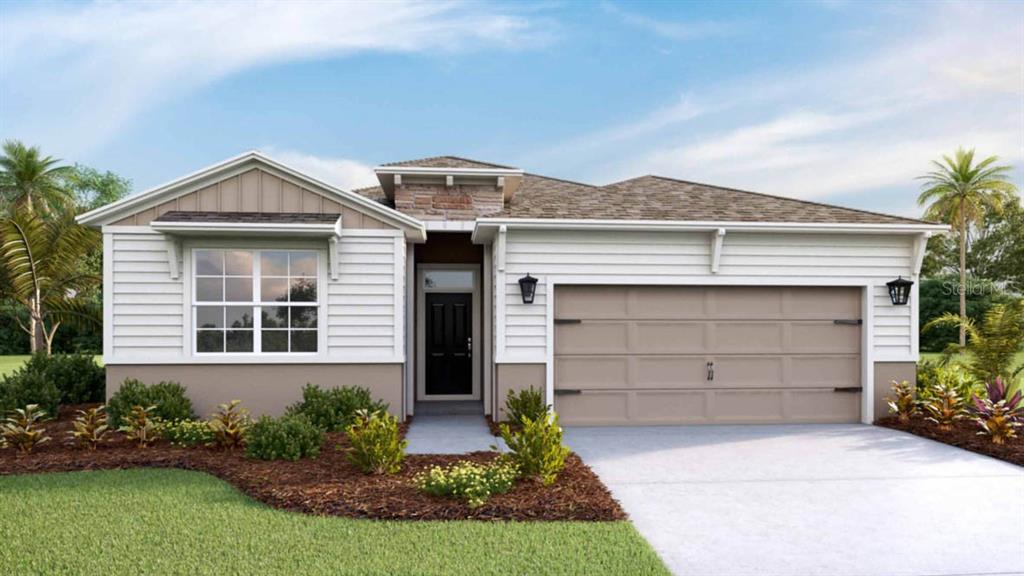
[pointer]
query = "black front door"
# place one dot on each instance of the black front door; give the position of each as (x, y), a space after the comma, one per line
(449, 343)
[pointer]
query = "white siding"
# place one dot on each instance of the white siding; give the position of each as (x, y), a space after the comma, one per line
(149, 311)
(685, 258)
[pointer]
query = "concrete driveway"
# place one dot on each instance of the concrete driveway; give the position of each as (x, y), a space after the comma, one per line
(811, 499)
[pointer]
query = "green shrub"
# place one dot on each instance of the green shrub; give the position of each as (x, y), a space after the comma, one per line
(140, 426)
(334, 409)
(537, 449)
(287, 438)
(229, 424)
(25, 387)
(934, 375)
(78, 377)
(185, 433)
(375, 445)
(23, 428)
(528, 403)
(90, 426)
(169, 400)
(468, 481)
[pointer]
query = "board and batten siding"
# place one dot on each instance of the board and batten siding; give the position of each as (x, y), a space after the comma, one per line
(147, 315)
(685, 258)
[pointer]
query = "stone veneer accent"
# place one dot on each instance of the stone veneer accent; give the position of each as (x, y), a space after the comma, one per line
(440, 202)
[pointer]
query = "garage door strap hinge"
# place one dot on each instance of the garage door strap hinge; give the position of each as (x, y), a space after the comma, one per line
(856, 322)
(567, 391)
(847, 389)
(568, 321)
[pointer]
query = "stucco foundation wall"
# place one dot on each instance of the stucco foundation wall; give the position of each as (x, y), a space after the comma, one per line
(515, 377)
(266, 388)
(885, 373)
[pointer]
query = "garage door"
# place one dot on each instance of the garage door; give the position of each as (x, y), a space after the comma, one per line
(702, 354)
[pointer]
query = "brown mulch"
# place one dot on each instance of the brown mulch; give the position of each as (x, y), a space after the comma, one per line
(964, 435)
(329, 485)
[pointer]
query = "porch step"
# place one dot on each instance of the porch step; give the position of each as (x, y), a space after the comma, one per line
(449, 434)
(449, 407)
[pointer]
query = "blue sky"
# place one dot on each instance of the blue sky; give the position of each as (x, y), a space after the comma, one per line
(839, 102)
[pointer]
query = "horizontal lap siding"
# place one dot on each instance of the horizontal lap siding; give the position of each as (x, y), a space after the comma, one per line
(667, 257)
(361, 304)
(148, 305)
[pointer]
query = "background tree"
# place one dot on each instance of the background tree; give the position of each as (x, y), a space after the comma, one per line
(961, 193)
(40, 270)
(30, 180)
(997, 253)
(91, 188)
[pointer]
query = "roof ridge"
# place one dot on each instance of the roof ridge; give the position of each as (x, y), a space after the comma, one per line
(576, 182)
(447, 157)
(780, 197)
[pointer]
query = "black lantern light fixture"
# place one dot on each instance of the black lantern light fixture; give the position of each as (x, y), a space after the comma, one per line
(528, 286)
(899, 291)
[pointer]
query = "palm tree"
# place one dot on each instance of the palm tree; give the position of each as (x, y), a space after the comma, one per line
(31, 180)
(960, 193)
(40, 270)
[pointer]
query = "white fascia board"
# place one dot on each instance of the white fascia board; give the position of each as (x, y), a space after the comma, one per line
(448, 171)
(261, 228)
(450, 225)
(486, 227)
(104, 214)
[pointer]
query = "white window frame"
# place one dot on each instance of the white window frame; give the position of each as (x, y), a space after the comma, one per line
(257, 302)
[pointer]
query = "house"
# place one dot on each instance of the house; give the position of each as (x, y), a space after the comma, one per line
(648, 301)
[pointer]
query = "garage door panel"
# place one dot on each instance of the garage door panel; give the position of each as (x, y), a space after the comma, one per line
(669, 338)
(824, 371)
(666, 302)
(756, 406)
(592, 337)
(809, 302)
(669, 372)
(593, 407)
(591, 302)
(821, 405)
(749, 337)
(682, 407)
(588, 372)
(824, 337)
(748, 303)
(749, 371)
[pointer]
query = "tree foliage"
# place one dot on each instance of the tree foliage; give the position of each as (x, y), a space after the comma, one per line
(31, 181)
(994, 342)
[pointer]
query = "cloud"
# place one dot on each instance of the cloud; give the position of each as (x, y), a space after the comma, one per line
(85, 70)
(680, 30)
(341, 172)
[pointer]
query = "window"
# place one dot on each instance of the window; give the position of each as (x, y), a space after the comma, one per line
(255, 300)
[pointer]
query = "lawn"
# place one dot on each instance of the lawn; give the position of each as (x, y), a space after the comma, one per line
(1017, 361)
(9, 364)
(180, 522)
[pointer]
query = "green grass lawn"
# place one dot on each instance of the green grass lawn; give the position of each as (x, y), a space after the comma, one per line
(1017, 361)
(180, 522)
(9, 364)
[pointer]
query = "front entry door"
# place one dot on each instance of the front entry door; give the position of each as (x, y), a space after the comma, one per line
(449, 344)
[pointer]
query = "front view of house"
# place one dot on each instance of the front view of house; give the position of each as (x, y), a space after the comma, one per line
(648, 301)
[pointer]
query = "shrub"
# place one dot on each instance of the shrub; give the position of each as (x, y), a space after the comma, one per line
(468, 481)
(23, 429)
(375, 445)
(528, 403)
(945, 407)
(993, 342)
(22, 388)
(537, 449)
(168, 399)
(229, 425)
(902, 402)
(932, 376)
(185, 433)
(999, 416)
(90, 427)
(334, 409)
(140, 426)
(78, 377)
(287, 438)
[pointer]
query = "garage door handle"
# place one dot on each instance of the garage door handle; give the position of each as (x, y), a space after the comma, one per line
(856, 322)
(847, 389)
(567, 391)
(711, 371)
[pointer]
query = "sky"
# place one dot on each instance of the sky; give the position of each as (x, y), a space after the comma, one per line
(833, 101)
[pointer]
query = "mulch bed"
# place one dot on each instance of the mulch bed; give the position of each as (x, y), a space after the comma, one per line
(964, 435)
(329, 485)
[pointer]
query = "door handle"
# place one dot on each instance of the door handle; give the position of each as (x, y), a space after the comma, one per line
(469, 344)
(711, 371)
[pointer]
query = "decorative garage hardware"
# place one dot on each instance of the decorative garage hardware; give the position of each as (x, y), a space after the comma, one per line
(847, 389)
(528, 286)
(567, 391)
(568, 321)
(899, 291)
(847, 322)
(711, 371)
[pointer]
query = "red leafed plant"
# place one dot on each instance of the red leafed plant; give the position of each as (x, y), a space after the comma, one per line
(999, 416)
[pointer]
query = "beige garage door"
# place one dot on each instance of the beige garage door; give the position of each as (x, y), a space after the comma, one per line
(703, 354)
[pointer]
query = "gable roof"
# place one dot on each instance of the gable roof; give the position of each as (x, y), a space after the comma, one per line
(252, 159)
(448, 162)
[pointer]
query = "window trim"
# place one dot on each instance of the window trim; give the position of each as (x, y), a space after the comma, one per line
(191, 302)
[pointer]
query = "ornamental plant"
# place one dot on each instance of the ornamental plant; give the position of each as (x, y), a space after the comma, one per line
(528, 403)
(168, 400)
(289, 437)
(229, 424)
(375, 444)
(902, 402)
(184, 433)
(537, 449)
(335, 409)
(999, 416)
(140, 426)
(474, 483)
(90, 427)
(23, 428)
(945, 407)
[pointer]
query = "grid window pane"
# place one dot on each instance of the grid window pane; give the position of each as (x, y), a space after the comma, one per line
(274, 290)
(239, 317)
(238, 289)
(210, 289)
(238, 263)
(210, 262)
(274, 263)
(239, 341)
(274, 316)
(210, 341)
(303, 317)
(302, 264)
(275, 340)
(209, 316)
(303, 340)
(303, 290)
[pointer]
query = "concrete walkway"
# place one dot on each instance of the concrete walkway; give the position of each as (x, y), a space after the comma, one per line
(813, 499)
(449, 434)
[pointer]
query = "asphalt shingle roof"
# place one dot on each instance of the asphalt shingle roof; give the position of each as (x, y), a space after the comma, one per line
(448, 162)
(248, 217)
